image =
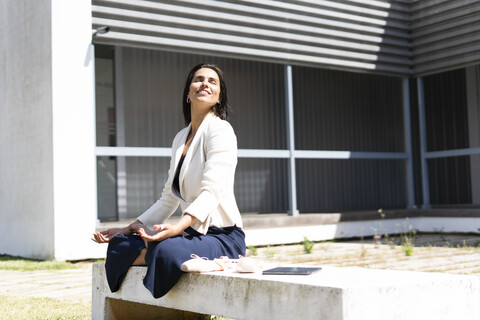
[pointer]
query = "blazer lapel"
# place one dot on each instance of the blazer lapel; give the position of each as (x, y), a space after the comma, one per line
(193, 147)
(179, 151)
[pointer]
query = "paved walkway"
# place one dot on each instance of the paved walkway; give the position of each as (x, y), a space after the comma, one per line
(70, 284)
(458, 254)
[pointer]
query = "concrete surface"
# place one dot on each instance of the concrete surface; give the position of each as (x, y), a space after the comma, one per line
(331, 294)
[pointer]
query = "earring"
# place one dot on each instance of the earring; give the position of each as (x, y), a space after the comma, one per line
(188, 99)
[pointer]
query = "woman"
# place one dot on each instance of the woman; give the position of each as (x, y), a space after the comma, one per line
(200, 179)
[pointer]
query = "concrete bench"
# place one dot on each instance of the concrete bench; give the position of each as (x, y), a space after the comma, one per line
(332, 293)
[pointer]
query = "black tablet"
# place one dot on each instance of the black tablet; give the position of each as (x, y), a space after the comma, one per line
(292, 270)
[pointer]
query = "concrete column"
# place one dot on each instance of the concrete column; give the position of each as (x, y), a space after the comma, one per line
(423, 144)
(120, 127)
(473, 107)
(292, 180)
(73, 129)
(407, 132)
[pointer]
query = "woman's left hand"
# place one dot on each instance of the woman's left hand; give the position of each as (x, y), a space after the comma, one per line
(162, 232)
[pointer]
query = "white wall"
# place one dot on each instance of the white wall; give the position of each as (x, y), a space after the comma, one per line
(360, 229)
(73, 130)
(47, 130)
(26, 160)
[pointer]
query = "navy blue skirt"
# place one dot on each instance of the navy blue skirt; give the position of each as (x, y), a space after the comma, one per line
(164, 258)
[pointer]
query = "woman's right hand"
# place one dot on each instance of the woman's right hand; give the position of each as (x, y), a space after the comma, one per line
(106, 235)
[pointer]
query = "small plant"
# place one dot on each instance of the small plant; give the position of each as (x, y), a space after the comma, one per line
(381, 213)
(408, 250)
(253, 250)
(407, 240)
(377, 238)
(307, 245)
(387, 238)
(363, 251)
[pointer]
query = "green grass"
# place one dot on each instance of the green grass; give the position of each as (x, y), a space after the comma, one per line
(22, 264)
(253, 250)
(22, 308)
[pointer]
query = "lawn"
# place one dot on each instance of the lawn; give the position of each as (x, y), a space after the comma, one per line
(22, 264)
(21, 308)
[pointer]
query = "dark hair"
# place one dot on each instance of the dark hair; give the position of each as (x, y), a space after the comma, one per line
(221, 109)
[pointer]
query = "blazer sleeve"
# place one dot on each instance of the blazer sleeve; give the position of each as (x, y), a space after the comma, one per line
(161, 210)
(221, 159)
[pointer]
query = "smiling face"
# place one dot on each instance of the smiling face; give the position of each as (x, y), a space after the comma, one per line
(205, 88)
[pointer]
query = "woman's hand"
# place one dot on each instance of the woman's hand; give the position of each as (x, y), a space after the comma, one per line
(106, 235)
(134, 227)
(162, 232)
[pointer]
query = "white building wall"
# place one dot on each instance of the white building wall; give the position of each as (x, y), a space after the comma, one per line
(26, 159)
(47, 127)
(74, 176)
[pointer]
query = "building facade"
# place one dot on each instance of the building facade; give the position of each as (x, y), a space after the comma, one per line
(337, 105)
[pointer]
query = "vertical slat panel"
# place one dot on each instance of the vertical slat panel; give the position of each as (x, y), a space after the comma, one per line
(336, 110)
(449, 181)
(153, 85)
(145, 179)
(261, 185)
(446, 110)
(154, 80)
(332, 185)
(446, 118)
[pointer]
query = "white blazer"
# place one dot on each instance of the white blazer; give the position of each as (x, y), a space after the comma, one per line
(206, 178)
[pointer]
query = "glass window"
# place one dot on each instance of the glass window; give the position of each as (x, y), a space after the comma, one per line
(336, 110)
(357, 184)
(150, 85)
(141, 182)
(107, 188)
(261, 185)
(446, 110)
(104, 96)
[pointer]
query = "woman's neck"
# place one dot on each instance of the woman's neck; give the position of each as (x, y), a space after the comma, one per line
(197, 118)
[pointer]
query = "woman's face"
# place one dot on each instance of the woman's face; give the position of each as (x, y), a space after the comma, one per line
(205, 88)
